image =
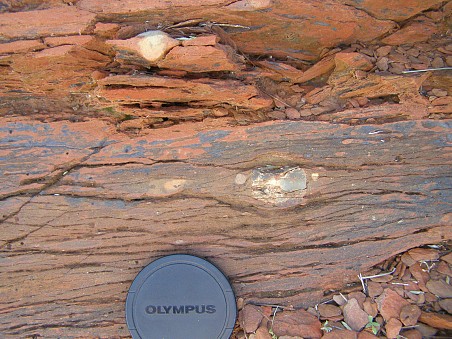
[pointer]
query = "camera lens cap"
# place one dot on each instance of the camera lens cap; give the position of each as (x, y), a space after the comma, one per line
(180, 297)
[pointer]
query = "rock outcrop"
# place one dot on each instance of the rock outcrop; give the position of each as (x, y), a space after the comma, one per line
(54, 57)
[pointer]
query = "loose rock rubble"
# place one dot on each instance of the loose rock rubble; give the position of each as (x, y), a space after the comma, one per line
(407, 296)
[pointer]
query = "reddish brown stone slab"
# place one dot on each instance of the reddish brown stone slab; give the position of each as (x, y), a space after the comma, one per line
(67, 20)
(200, 59)
(397, 10)
(297, 323)
(68, 40)
(423, 254)
(203, 40)
(412, 33)
(393, 327)
(30, 145)
(437, 320)
(390, 304)
(322, 67)
(340, 334)
(251, 318)
(354, 315)
(204, 92)
(409, 314)
(280, 71)
(21, 46)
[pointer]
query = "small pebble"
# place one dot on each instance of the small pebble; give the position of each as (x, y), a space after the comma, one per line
(240, 179)
(439, 92)
(396, 68)
(383, 51)
(292, 113)
(437, 62)
(383, 64)
(413, 52)
(278, 115)
(449, 61)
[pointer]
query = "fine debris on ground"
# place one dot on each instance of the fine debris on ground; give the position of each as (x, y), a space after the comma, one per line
(407, 296)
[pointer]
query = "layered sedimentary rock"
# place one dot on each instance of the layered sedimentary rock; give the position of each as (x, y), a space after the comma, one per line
(54, 55)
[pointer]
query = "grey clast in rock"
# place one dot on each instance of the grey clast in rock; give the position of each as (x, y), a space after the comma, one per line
(282, 186)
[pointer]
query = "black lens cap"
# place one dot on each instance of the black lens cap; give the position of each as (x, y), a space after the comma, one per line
(180, 297)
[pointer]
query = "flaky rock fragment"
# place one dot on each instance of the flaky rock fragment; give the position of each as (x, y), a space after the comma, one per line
(200, 92)
(297, 323)
(393, 327)
(419, 254)
(354, 316)
(199, 58)
(440, 288)
(349, 61)
(393, 10)
(251, 318)
(280, 71)
(436, 320)
(390, 304)
(21, 46)
(409, 314)
(203, 40)
(249, 5)
(417, 31)
(49, 22)
(324, 66)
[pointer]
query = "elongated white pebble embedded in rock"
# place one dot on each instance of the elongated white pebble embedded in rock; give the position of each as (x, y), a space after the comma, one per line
(154, 44)
(151, 45)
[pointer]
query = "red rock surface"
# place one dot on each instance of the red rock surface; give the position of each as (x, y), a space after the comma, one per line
(329, 311)
(251, 317)
(351, 61)
(442, 321)
(393, 327)
(49, 22)
(439, 288)
(398, 10)
(166, 129)
(297, 323)
(210, 45)
(21, 46)
(410, 314)
(390, 304)
(199, 58)
(262, 333)
(412, 33)
(146, 90)
(342, 334)
(354, 315)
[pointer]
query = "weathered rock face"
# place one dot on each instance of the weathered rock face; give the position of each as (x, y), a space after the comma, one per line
(270, 26)
(392, 10)
(83, 208)
(258, 59)
(50, 22)
(85, 203)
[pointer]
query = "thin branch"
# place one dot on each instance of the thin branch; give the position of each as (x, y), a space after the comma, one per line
(377, 275)
(428, 70)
